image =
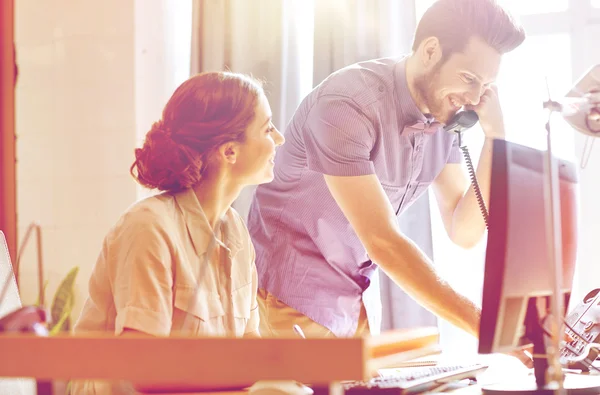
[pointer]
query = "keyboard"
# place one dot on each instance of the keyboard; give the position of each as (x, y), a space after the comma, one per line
(413, 380)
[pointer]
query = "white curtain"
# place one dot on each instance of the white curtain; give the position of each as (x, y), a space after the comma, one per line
(269, 39)
(363, 30)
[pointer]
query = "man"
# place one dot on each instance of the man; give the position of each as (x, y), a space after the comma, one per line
(361, 147)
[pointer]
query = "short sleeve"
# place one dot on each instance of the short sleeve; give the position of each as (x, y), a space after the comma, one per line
(142, 277)
(455, 153)
(339, 138)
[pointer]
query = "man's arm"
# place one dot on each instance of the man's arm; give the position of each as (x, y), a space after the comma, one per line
(460, 211)
(367, 208)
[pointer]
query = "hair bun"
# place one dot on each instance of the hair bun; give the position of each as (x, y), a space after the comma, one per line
(164, 164)
(205, 111)
(160, 128)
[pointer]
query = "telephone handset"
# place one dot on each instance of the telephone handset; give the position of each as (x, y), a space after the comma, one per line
(464, 120)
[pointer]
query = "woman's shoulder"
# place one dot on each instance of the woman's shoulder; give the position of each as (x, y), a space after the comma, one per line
(237, 226)
(148, 214)
(236, 220)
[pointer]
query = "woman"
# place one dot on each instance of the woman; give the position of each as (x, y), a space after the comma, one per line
(182, 261)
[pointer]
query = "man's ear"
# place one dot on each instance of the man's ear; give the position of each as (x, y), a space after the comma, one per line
(228, 153)
(430, 52)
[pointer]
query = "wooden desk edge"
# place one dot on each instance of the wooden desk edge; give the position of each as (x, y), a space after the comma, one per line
(232, 361)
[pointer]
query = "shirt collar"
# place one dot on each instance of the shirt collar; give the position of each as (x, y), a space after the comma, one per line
(198, 227)
(413, 119)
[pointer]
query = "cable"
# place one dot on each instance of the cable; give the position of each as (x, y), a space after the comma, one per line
(474, 182)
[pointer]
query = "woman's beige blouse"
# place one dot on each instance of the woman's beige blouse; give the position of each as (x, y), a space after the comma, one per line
(162, 271)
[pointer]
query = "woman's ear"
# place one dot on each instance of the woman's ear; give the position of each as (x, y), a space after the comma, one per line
(228, 153)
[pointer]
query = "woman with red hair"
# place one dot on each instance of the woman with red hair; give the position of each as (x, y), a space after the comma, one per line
(182, 261)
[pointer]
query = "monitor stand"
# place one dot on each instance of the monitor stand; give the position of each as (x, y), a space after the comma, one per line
(574, 383)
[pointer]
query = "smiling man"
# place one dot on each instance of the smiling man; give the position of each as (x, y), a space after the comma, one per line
(361, 147)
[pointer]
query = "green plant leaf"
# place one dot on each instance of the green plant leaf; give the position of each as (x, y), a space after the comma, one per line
(63, 300)
(62, 323)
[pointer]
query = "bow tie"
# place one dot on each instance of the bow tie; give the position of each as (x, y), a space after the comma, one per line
(420, 126)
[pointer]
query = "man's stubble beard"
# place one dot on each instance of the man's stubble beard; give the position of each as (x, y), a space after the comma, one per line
(425, 89)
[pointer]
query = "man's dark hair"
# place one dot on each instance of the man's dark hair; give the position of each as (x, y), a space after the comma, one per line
(454, 22)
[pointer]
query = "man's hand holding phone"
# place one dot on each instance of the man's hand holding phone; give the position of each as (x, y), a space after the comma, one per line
(490, 113)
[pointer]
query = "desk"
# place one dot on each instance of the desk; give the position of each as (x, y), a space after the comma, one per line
(500, 367)
(507, 370)
(166, 362)
(175, 360)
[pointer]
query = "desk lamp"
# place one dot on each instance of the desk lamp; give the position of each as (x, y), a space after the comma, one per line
(581, 109)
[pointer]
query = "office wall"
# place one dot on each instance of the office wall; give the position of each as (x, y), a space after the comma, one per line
(75, 117)
(93, 78)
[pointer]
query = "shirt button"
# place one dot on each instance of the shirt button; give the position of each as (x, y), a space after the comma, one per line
(381, 88)
(365, 282)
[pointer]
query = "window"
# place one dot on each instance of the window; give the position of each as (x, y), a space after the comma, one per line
(529, 7)
(522, 90)
(519, 7)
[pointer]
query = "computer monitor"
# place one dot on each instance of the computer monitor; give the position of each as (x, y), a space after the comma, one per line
(518, 282)
(516, 264)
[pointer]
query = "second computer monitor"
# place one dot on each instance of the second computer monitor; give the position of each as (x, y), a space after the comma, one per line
(517, 257)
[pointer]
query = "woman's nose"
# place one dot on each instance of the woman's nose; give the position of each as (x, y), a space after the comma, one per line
(279, 139)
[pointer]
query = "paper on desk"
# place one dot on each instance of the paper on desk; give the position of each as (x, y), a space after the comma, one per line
(500, 368)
